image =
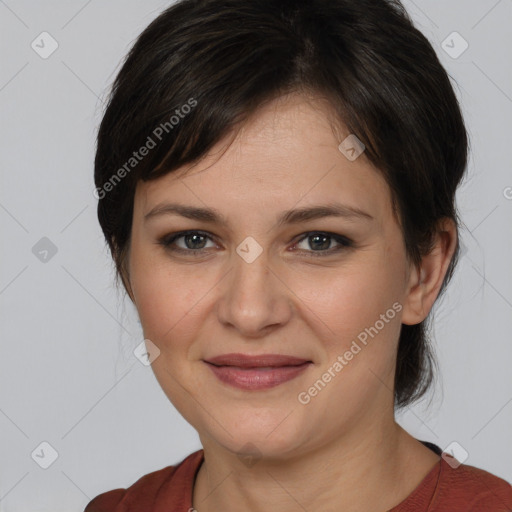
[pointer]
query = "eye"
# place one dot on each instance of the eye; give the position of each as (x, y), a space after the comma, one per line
(193, 242)
(321, 240)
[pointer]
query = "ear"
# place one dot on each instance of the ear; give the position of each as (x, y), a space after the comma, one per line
(425, 282)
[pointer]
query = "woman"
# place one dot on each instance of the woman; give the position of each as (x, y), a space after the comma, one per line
(276, 183)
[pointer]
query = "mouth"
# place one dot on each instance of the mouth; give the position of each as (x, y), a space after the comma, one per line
(256, 372)
(259, 361)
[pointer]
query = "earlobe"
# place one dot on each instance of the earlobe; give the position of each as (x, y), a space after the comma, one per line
(426, 281)
(413, 312)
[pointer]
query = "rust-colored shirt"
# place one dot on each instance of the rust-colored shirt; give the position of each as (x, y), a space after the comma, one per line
(446, 488)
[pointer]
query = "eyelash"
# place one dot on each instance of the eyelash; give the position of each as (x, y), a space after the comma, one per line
(167, 241)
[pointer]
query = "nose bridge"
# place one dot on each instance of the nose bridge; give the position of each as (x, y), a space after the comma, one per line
(253, 298)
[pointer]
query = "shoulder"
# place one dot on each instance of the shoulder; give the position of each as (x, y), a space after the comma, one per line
(471, 487)
(106, 502)
(143, 493)
(147, 485)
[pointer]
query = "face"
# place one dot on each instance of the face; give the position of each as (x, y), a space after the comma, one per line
(325, 289)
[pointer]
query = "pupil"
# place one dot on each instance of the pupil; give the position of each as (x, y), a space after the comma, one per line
(325, 245)
(193, 236)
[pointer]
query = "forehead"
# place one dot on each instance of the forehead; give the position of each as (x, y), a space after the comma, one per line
(285, 155)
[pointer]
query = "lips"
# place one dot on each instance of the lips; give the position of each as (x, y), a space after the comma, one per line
(260, 361)
(256, 373)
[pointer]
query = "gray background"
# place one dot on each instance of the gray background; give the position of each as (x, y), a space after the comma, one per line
(67, 372)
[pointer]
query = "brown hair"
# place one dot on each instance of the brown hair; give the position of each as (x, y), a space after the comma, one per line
(225, 58)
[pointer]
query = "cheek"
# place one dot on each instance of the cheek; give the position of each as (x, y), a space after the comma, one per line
(346, 302)
(165, 296)
(359, 330)
(165, 308)
(168, 305)
(362, 313)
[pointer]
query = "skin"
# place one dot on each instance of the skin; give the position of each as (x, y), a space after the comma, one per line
(343, 450)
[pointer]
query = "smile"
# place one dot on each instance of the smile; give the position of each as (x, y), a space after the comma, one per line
(256, 372)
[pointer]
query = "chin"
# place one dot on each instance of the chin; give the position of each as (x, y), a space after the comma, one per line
(273, 439)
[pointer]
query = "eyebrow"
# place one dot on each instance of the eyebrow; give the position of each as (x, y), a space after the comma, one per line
(294, 216)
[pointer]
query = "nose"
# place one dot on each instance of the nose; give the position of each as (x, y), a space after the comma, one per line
(254, 299)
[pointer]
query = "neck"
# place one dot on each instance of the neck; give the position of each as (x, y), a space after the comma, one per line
(373, 469)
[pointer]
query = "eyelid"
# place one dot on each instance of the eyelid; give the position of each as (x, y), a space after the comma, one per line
(344, 243)
(167, 240)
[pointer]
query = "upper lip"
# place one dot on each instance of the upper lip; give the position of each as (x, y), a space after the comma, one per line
(263, 360)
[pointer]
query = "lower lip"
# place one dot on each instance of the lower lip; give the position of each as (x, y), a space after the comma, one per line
(257, 378)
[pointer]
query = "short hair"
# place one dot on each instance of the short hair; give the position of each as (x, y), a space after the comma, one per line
(226, 58)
